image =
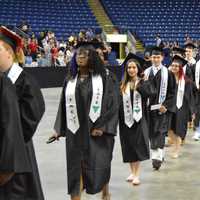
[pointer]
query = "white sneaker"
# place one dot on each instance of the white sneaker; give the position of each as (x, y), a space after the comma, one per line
(196, 136)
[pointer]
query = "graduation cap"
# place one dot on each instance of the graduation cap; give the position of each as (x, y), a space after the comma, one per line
(179, 60)
(11, 38)
(178, 50)
(92, 44)
(147, 52)
(156, 51)
(136, 59)
(190, 46)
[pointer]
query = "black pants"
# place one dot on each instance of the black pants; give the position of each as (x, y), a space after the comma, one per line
(158, 141)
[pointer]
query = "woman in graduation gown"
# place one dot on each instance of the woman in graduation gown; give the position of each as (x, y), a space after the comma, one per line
(13, 155)
(31, 105)
(87, 117)
(134, 135)
(188, 75)
(185, 104)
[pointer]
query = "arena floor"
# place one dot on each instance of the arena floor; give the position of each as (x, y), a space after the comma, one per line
(178, 179)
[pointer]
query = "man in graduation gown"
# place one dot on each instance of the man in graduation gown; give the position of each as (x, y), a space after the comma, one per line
(160, 106)
(195, 67)
(195, 77)
(13, 155)
(89, 148)
(31, 104)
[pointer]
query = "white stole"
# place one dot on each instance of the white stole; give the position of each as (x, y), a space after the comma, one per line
(135, 113)
(97, 94)
(184, 69)
(14, 72)
(197, 73)
(71, 108)
(163, 84)
(192, 61)
(180, 92)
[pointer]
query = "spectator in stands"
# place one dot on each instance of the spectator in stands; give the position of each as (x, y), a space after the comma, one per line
(24, 26)
(54, 52)
(112, 57)
(176, 44)
(61, 59)
(188, 39)
(62, 43)
(41, 60)
(33, 48)
(69, 53)
(40, 39)
(89, 34)
(28, 59)
(158, 40)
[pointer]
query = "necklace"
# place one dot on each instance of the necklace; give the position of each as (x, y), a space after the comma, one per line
(83, 77)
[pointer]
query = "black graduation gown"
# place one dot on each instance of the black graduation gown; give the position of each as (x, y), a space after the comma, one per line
(87, 155)
(182, 115)
(135, 140)
(13, 155)
(196, 93)
(160, 123)
(32, 107)
(189, 73)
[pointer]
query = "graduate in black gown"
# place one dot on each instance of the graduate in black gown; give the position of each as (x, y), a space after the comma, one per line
(13, 155)
(188, 74)
(181, 52)
(196, 79)
(87, 117)
(161, 106)
(133, 128)
(31, 105)
(185, 104)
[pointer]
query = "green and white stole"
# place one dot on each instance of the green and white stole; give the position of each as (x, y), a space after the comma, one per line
(197, 74)
(71, 107)
(135, 113)
(180, 92)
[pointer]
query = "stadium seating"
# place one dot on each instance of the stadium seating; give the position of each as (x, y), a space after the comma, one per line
(64, 17)
(172, 19)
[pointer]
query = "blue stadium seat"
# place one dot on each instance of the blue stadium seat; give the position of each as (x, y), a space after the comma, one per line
(62, 16)
(169, 18)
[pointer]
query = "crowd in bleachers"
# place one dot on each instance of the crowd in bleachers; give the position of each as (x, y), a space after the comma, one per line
(46, 50)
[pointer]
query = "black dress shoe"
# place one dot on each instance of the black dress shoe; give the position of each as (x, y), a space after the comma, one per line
(156, 164)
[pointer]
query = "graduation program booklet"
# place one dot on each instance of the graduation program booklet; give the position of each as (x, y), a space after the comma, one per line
(156, 107)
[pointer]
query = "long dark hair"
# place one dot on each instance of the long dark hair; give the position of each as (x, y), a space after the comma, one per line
(94, 62)
(126, 78)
